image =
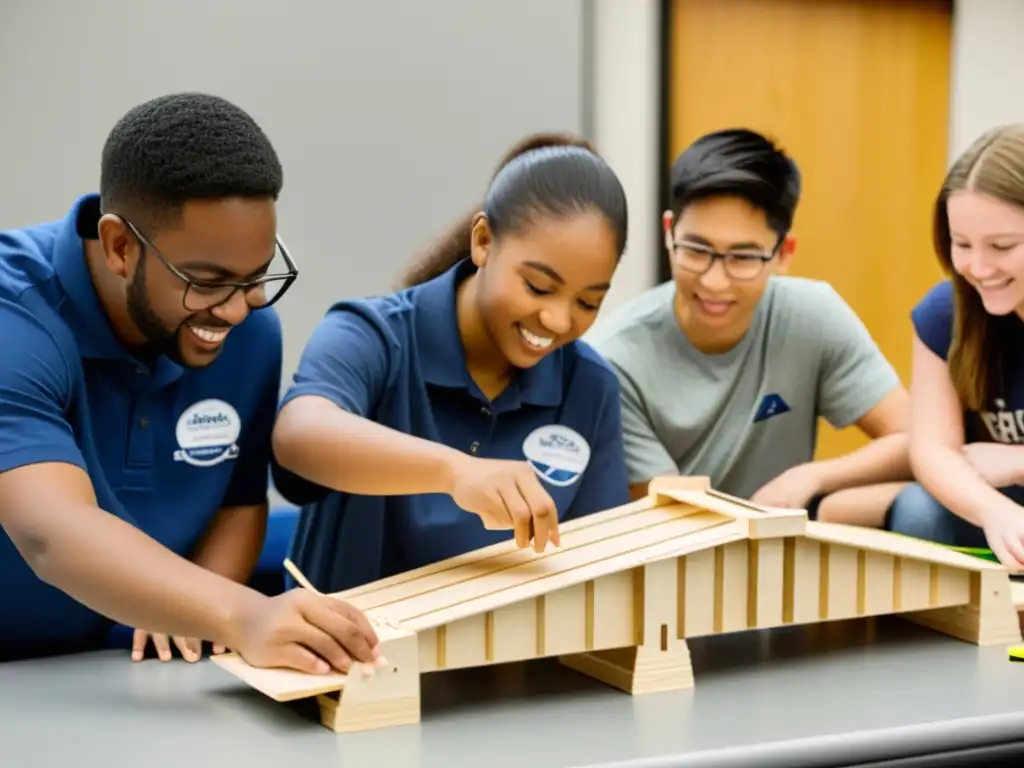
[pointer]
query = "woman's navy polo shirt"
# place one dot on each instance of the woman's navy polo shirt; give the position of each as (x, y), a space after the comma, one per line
(398, 360)
(1003, 420)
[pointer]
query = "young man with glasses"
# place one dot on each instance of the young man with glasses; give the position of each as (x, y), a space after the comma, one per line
(726, 368)
(139, 386)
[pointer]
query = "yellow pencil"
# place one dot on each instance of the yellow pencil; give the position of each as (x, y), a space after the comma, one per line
(300, 577)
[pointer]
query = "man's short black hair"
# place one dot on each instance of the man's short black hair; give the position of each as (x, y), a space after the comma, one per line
(742, 163)
(181, 147)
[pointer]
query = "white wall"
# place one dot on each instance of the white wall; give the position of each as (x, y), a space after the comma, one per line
(388, 116)
(988, 68)
(357, 125)
(626, 88)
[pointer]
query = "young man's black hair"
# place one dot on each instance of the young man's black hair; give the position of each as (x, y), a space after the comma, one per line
(156, 159)
(742, 163)
(186, 179)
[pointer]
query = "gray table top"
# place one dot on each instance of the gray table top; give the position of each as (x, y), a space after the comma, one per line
(865, 688)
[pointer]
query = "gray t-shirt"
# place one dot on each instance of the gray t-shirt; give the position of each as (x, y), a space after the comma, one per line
(744, 416)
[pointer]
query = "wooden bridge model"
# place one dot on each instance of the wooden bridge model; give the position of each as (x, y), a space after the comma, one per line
(628, 585)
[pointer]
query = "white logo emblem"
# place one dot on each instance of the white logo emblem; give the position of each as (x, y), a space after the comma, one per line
(556, 453)
(207, 433)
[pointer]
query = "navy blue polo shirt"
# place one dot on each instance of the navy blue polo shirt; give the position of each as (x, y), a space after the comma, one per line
(398, 360)
(164, 446)
(1003, 420)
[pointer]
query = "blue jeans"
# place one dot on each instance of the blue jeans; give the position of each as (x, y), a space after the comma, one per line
(915, 512)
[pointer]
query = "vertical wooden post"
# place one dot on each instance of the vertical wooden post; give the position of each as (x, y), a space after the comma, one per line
(660, 661)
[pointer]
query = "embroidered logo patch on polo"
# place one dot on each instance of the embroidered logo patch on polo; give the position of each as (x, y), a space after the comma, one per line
(559, 455)
(771, 405)
(207, 433)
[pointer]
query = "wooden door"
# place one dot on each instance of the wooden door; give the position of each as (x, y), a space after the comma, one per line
(858, 92)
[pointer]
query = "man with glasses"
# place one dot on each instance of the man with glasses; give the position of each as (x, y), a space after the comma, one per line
(726, 368)
(139, 386)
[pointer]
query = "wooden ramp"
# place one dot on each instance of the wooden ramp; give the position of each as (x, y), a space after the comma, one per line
(619, 598)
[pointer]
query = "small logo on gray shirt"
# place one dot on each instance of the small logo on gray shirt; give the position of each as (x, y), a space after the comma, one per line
(771, 405)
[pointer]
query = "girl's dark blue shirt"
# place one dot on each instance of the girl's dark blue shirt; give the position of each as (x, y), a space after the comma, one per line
(398, 360)
(1003, 420)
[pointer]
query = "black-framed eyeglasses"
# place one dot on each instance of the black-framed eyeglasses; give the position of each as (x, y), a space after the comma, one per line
(739, 265)
(202, 295)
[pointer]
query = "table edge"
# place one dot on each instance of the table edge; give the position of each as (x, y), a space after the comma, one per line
(848, 748)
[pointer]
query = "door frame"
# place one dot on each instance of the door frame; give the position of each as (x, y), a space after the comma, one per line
(664, 271)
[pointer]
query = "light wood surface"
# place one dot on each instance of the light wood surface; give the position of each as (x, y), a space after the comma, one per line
(629, 585)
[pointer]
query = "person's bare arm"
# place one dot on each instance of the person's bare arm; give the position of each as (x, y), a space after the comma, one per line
(233, 541)
(50, 513)
(325, 433)
(49, 509)
(326, 436)
(883, 460)
(230, 547)
(857, 386)
(638, 491)
(937, 440)
(336, 449)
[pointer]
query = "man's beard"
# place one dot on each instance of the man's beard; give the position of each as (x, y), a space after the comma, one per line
(160, 340)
